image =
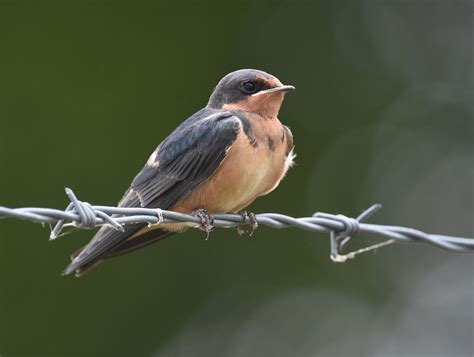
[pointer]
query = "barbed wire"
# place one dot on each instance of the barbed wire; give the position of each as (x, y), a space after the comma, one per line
(342, 229)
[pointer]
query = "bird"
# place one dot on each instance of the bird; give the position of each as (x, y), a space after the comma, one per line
(219, 160)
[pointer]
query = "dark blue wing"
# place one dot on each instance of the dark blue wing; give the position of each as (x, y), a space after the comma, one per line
(187, 157)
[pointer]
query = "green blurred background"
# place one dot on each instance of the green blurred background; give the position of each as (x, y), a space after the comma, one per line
(382, 113)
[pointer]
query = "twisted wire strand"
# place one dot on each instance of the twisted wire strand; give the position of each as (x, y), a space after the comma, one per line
(342, 229)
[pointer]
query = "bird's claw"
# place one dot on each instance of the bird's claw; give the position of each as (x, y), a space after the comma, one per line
(207, 221)
(252, 223)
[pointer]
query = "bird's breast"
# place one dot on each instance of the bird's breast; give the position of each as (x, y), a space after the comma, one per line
(254, 165)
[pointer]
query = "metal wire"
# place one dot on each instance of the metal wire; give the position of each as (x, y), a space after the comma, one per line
(342, 229)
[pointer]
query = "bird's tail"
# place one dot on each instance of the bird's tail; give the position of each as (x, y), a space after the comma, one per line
(129, 245)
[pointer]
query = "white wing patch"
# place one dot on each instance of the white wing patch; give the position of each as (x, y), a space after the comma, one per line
(128, 196)
(152, 161)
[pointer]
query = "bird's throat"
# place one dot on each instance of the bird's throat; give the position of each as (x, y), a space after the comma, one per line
(265, 105)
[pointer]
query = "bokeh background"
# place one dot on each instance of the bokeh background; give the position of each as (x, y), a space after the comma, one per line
(382, 113)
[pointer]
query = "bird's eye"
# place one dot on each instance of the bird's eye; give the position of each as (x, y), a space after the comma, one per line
(249, 87)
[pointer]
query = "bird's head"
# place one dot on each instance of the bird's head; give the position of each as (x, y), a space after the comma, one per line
(250, 90)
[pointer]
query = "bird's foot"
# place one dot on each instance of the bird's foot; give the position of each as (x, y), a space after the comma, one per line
(252, 223)
(206, 220)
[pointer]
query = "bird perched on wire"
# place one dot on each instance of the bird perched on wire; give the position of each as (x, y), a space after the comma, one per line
(219, 160)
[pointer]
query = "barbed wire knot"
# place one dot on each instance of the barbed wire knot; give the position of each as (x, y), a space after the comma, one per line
(89, 218)
(340, 238)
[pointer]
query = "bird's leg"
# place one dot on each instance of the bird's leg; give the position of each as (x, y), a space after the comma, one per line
(252, 223)
(206, 220)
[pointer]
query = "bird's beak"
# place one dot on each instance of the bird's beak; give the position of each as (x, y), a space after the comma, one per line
(282, 88)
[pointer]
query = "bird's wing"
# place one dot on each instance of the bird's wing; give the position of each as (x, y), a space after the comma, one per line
(180, 163)
(185, 159)
(289, 138)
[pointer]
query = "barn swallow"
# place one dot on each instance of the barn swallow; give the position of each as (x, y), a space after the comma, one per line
(219, 160)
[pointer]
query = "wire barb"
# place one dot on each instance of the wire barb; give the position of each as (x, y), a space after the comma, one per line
(341, 229)
(159, 214)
